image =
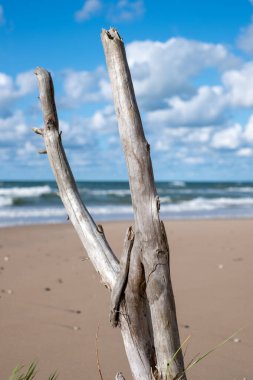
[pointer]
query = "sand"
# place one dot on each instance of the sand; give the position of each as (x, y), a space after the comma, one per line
(52, 301)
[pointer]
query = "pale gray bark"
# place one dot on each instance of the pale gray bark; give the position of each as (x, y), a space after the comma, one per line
(90, 234)
(150, 253)
(92, 238)
(119, 287)
(142, 297)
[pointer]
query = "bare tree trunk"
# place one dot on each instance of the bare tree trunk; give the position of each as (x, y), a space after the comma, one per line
(90, 234)
(152, 253)
(142, 301)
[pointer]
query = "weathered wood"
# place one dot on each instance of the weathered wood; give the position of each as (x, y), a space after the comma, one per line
(93, 240)
(119, 376)
(119, 287)
(151, 255)
(90, 234)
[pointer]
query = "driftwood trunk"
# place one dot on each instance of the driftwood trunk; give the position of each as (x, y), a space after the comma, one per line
(142, 301)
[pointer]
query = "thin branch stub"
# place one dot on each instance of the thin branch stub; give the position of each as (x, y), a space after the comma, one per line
(119, 376)
(43, 151)
(38, 131)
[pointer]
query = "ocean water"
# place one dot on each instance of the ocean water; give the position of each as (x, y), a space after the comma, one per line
(37, 202)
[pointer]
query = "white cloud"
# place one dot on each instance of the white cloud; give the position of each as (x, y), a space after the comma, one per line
(28, 149)
(26, 82)
(2, 20)
(104, 120)
(194, 160)
(164, 69)
(126, 10)
(11, 90)
(229, 138)
(248, 132)
(245, 152)
(239, 85)
(203, 109)
(13, 127)
(181, 137)
(245, 39)
(121, 10)
(198, 135)
(90, 9)
(85, 86)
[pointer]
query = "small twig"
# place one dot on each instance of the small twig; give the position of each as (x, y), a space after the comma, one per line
(43, 151)
(97, 355)
(39, 131)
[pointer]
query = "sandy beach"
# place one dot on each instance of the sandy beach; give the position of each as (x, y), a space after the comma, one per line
(52, 301)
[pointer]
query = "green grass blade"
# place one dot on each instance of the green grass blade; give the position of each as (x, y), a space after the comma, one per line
(194, 362)
(176, 353)
(14, 373)
(53, 376)
(30, 373)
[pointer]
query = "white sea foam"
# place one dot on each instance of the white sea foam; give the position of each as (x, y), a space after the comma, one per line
(165, 199)
(5, 201)
(110, 210)
(29, 213)
(118, 193)
(240, 189)
(178, 183)
(202, 204)
(24, 192)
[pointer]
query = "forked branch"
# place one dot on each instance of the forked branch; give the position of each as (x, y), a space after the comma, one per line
(91, 235)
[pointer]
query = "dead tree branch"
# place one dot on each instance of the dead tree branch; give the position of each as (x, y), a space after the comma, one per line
(91, 235)
(150, 248)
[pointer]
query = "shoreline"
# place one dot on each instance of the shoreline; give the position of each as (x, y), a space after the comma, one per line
(131, 221)
(52, 302)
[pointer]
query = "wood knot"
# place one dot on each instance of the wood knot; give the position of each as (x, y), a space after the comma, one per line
(130, 234)
(158, 203)
(148, 147)
(100, 229)
(50, 123)
(161, 252)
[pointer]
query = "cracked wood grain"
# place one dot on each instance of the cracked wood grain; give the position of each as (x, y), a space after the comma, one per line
(91, 235)
(150, 252)
(119, 287)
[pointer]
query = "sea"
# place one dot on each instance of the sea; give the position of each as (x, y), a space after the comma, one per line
(23, 203)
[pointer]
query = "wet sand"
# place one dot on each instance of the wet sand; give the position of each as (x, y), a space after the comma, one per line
(52, 301)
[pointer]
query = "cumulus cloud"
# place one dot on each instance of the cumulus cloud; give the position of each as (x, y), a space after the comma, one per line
(167, 137)
(11, 90)
(194, 160)
(229, 138)
(126, 10)
(116, 11)
(104, 120)
(205, 108)
(239, 85)
(248, 132)
(245, 38)
(164, 69)
(26, 83)
(85, 86)
(245, 152)
(211, 105)
(90, 9)
(13, 127)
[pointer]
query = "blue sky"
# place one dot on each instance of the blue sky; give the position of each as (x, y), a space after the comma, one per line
(192, 67)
